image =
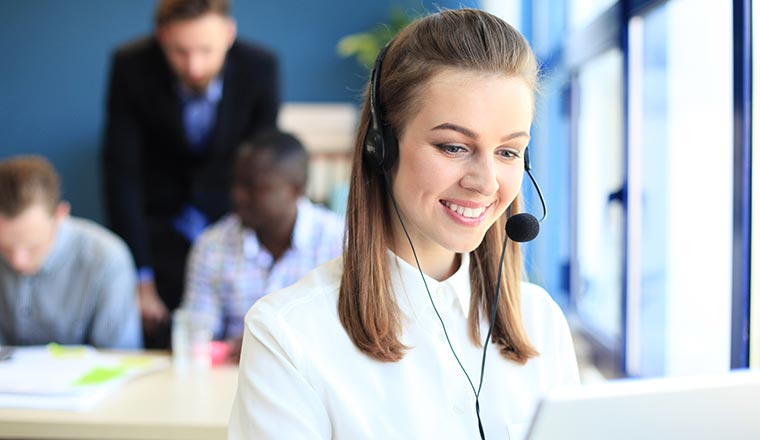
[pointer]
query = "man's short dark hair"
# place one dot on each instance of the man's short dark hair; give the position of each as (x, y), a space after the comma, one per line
(26, 180)
(284, 150)
(168, 11)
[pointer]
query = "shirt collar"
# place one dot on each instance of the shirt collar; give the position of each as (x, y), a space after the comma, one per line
(251, 245)
(410, 289)
(301, 238)
(212, 94)
(60, 247)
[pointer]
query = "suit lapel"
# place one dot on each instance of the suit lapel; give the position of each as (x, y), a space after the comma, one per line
(175, 126)
(168, 103)
(225, 109)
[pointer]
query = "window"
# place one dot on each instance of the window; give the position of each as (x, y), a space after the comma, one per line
(754, 319)
(680, 189)
(599, 177)
(643, 94)
(583, 12)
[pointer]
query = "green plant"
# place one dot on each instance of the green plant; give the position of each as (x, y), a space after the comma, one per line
(364, 46)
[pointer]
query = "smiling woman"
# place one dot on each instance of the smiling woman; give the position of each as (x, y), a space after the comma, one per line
(460, 165)
(387, 341)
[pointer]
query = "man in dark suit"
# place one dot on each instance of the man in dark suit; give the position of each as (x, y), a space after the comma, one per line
(179, 102)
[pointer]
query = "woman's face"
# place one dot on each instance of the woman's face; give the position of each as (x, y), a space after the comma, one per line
(460, 161)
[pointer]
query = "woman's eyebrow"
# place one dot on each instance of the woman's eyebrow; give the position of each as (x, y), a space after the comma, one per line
(458, 128)
(472, 135)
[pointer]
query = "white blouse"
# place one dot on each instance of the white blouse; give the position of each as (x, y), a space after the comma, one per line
(301, 377)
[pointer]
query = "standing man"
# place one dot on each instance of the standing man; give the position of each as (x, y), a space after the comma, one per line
(62, 279)
(179, 102)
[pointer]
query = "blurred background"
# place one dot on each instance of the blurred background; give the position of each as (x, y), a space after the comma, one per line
(642, 145)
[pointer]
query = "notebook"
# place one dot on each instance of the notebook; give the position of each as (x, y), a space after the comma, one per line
(721, 406)
(67, 377)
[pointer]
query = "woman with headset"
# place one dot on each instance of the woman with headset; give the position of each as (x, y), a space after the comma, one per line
(391, 340)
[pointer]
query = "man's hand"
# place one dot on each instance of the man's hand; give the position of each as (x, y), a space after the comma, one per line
(152, 309)
(235, 344)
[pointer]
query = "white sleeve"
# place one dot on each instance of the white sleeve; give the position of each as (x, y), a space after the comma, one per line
(201, 290)
(274, 398)
(548, 328)
(568, 372)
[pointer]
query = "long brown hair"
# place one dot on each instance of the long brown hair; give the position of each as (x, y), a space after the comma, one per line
(466, 39)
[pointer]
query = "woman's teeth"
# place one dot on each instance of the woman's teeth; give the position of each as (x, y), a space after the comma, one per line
(465, 212)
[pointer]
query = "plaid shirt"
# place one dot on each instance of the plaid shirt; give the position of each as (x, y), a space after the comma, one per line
(228, 269)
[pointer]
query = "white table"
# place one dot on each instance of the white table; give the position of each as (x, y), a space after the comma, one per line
(162, 405)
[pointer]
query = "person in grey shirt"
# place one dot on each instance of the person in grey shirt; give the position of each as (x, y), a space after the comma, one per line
(62, 279)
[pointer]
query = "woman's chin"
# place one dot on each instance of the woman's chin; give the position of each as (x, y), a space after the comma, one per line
(465, 246)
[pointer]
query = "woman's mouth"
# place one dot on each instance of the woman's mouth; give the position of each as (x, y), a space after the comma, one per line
(466, 211)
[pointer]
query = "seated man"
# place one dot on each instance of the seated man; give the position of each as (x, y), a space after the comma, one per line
(62, 279)
(273, 238)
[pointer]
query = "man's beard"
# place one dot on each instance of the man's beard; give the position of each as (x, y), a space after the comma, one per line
(197, 88)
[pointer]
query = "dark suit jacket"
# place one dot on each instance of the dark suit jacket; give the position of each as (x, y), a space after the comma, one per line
(150, 172)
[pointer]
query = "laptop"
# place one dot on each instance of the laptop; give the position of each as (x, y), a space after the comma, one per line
(722, 406)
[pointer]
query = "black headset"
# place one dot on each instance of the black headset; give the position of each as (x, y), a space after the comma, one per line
(380, 143)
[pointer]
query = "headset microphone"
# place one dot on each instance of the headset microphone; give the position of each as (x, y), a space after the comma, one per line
(528, 168)
(522, 227)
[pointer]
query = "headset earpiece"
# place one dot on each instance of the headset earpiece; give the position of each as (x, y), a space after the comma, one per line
(526, 159)
(374, 148)
(380, 145)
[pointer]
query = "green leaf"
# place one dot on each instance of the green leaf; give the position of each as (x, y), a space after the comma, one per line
(364, 46)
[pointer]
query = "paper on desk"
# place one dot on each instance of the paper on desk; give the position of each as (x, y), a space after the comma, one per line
(66, 377)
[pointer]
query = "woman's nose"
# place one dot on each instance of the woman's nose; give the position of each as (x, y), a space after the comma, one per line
(481, 175)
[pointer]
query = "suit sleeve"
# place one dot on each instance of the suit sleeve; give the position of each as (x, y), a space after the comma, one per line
(268, 104)
(121, 166)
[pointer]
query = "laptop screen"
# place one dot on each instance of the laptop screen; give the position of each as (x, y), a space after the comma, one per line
(723, 406)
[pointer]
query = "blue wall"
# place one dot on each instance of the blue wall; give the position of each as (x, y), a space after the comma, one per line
(56, 57)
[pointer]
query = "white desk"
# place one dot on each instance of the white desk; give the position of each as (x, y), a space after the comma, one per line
(162, 405)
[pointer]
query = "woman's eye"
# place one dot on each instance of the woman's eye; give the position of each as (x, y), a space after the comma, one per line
(509, 154)
(451, 148)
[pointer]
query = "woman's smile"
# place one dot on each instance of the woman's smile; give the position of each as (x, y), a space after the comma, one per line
(467, 213)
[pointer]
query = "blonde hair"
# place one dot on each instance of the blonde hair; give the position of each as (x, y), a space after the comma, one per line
(466, 39)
